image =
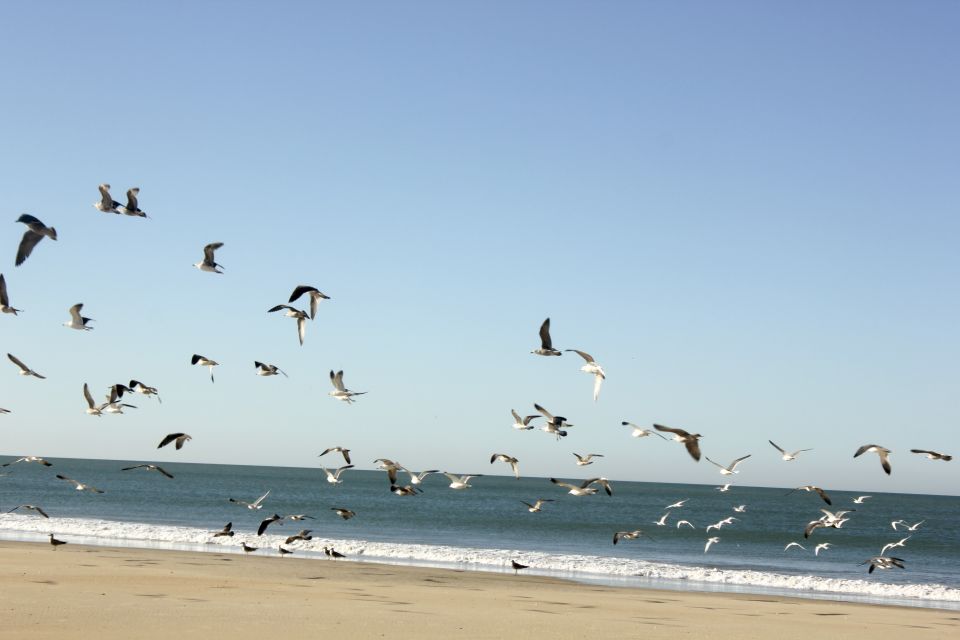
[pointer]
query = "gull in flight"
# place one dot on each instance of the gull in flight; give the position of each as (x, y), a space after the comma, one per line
(686, 522)
(583, 461)
(204, 362)
(268, 369)
(822, 546)
(93, 409)
(732, 467)
(740, 509)
(522, 424)
(724, 488)
(711, 541)
(344, 452)
(810, 488)
(827, 520)
(299, 516)
(932, 455)
(36, 459)
(906, 526)
(510, 460)
(690, 440)
(333, 477)
(138, 387)
(627, 535)
(132, 208)
(256, 504)
(794, 544)
(719, 525)
(106, 203)
(54, 542)
(404, 491)
(883, 562)
(303, 534)
(592, 367)
(860, 499)
(149, 467)
(461, 482)
(24, 369)
(346, 514)
(178, 438)
(390, 467)
(417, 478)
(291, 312)
(31, 507)
(546, 344)
(4, 299)
(678, 504)
(79, 485)
(883, 452)
(787, 457)
(113, 404)
(585, 489)
(640, 432)
(554, 424)
(891, 545)
(662, 522)
(340, 392)
(208, 263)
(315, 297)
(226, 531)
(536, 507)
(35, 232)
(266, 522)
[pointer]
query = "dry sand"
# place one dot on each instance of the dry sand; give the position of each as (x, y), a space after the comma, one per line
(105, 593)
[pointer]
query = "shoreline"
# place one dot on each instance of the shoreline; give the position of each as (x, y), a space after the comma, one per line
(152, 592)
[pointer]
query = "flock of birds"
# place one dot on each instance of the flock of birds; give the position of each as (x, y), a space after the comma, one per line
(555, 425)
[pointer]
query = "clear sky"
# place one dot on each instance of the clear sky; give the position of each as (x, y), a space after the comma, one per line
(747, 211)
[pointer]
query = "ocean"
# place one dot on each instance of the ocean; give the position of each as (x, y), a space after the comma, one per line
(487, 526)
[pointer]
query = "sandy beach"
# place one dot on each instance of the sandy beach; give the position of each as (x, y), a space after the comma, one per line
(79, 591)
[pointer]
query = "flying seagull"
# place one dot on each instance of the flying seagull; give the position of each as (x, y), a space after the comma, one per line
(34, 234)
(315, 297)
(297, 517)
(208, 263)
(54, 542)
(860, 499)
(303, 534)
(226, 531)
(291, 312)
(346, 514)
(883, 562)
(891, 545)
(461, 482)
(93, 409)
(686, 522)
(333, 477)
(513, 462)
(554, 424)
(106, 203)
(31, 507)
(149, 467)
(592, 367)
(256, 504)
(178, 438)
(787, 457)
(809, 487)
(4, 299)
(690, 440)
(907, 526)
(710, 541)
(678, 504)
(417, 477)
(268, 369)
(139, 387)
(546, 344)
(204, 362)
(662, 522)
(883, 452)
(79, 485)
(344, 452)
(583, 461)
(932, 455)
(794, 544)
(267, 522)
(585, 489)
(731, 468)
(640, 432)
(24, 369)
(340, 392)
(626, 535)
(536, 507)
(36, 459)
(522, 424)
(113, 404)
(132, 208)
(823, 546)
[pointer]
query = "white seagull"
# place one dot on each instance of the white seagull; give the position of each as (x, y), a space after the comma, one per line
(711, 541)
(583, 461)
(77, 321)
(24, 369)
(883, 452)
(35, 232)
(460, 482)
(4, 299)
(908, 527)
(30, 507)
(79, 485)
(731, 468)
(417, 477)
(522, 424)
(822, 546)
(36, 459)
(554, 424)
(794, 544)
(204, 362)
(132, 208)
(546, 344)
(208, 263)
(593, 368)
(149, 467)
(268, 369)
(346, 514)
(740, 508)
(344, 452)
(510, 460)
(291, 312)
(686, 522)
(333, 477)
(256, 504)
(627, 535)
(678, 504)
(139, 387)
(931, 455)
(787, 457)
(585, 489)
(860, 499)
(315, 297)
(662, 522)
(106, 203)
(93, 409)
(536, 507)
(891, 545)
(640, 432)
(340, 392)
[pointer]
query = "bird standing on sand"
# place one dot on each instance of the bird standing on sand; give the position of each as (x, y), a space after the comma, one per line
(35, 232)
(546, 344)
(54, 542)
(517, 567)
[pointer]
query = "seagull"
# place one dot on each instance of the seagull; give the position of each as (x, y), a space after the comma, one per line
(315, 297)
(662, 522)
(333, 553)
(113, 404)
(107, 204)
(79, 485)
(690, 440)
(585, 489)
(724, 488)
(93, 409)
(594, 368)
(522, 424)
(880, 451)
(36, 459)
(177, 438)
(301, 317)
(208, 264)
(346, 514)
(299, 516)
(906, 526)
(860, 499)
(390, 467)
(932, 455)
(333, 477)
(131, 208)
(626, 535)
(247, 548)
(226, 531)
(513, 462)
(710, 541)
(686, 522)
(794, 544)
(823, 545)
(740, 509)
(256, 504)
(139, 387)
(891, 545)
(404, 491)
(4, 299)
(77, 321)
(54, 542)
(149, 467)
(24, 369)
(31, 507)
(266, 522)
(303, 534)
(34, 234)
(461, 482)
(417, 478)
(283, 551)
(340, 392)
(546, 344)
(536, 507)
(583, 461)
(883, 562)
(517, 567)
(554, 424)
(677, 505)
(344, 452)
(4, 410)
(719, 525)
(204, 362)
(640, 432)
(787, 457)
(809, 487)
(268, 369)
(732, 467)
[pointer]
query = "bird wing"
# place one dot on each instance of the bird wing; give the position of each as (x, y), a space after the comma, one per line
(132, 199)
(863, 449)
(516, 416)
(4, 300)
(196, 358)
(18, 362)
(545, 413)
(583, 354)
(209, 249)
(261, 499)
(545, 341)
(823, 495)
(163, 471)
(733, 465)
(597, 381)
(279, 307)
(341, 470)
(715, 463)
(454, 478)
(299, 291)
(885, 461)
(301, 328)
(563, 484)
(168, 439)
(29, 241)
(679, 432)
(106, 200)
(136, 466)
(337, 380)
(776, 447)
(693, 448)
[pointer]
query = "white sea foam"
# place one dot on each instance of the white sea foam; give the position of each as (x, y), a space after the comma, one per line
(587, 567)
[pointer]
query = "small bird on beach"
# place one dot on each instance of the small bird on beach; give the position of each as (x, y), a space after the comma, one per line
(5, 299)
(537, 506)
(731, 468)
(204, 362)
(513, 462)
(640, 432)
(344, 452)
(301, 317)
(333, 477)
(711, 541)
(810, 488)
(35, 232)
(627, 535)
(931, 455)
(268, 369)
(315, 297)
(208, 264)
(178, 438)
(882, 452)
(266, 522)
(79, 486)
(689, 440)
(54, 542)
(149, 467)
(247, 548)
(226, 531)
(24, 369)
(787, 457)
(340, 392)
(346, 514)
(36, 459)
(256, 504)
(583, 461)
(106, 203)
(30, 507)
(522, 424)
(593, 368)
(517, 567)
(283, 552)
(546, 344)
(333, 553)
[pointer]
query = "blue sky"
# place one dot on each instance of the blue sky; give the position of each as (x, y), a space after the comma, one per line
(746, 212)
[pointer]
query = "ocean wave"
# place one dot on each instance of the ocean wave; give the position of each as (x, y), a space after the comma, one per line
(105, 532)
